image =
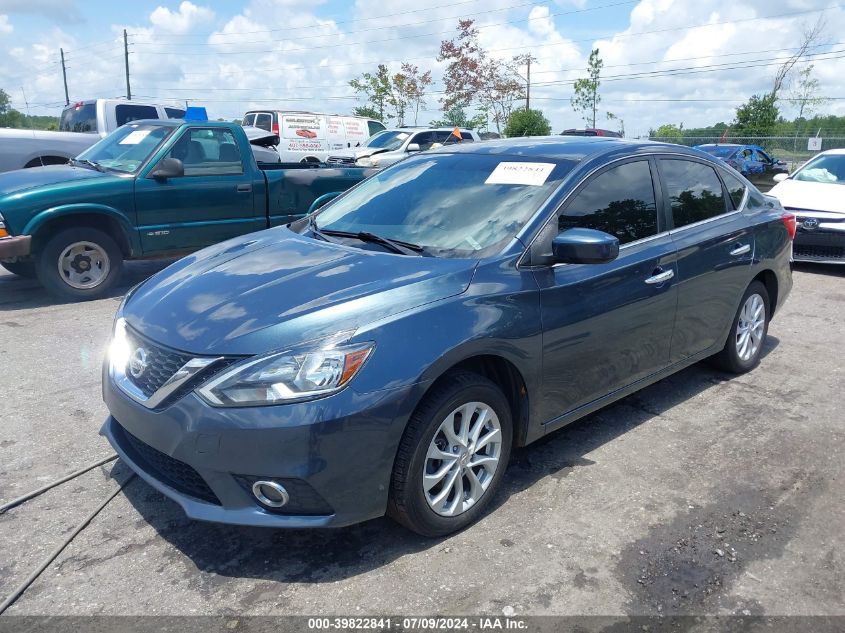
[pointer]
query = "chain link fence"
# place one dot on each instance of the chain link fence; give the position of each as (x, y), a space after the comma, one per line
(792, 149)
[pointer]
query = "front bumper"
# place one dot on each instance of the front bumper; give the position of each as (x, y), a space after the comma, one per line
(334, 456)
(819, 238)
(14, 247)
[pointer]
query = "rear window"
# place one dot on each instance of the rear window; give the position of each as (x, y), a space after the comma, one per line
(374, 127)
(174, 113)
(736, 188)
(694, 190)
(125, 113)
(264, 120)
(249, 119)
(79, 118)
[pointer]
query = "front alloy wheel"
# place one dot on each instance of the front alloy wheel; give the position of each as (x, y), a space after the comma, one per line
(452, 456)
(462, 459)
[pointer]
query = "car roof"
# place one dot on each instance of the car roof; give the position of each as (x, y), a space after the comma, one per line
(178, 122)
(567, 147)
(838, 150)
(724, 145)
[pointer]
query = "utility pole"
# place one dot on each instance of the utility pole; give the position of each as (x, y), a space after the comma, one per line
(64, 75)
(528, 85)
(126, 58)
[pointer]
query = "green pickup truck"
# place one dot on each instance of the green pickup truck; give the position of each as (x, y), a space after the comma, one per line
(152, 188)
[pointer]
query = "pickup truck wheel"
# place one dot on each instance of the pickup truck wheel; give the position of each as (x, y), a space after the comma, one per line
(21, 269)
(79, 264)
(744, 347)
(452, 456)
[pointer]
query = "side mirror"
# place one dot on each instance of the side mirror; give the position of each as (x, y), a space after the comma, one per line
(584, 246)
(780, 177)
(168, 168)
(413, 147)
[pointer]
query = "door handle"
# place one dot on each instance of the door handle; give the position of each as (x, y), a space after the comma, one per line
(741, 250)
(244, 188)
(659, 278)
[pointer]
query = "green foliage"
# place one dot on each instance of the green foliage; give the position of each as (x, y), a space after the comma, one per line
(9, 117)
(585, 98)
(527, 123)
(758, 116)
(393, 96)
(670, 133)
(456, 116)
(366, 111)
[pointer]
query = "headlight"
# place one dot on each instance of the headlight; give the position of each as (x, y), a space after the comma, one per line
(119, 348)
(366, 161)
(289, 376)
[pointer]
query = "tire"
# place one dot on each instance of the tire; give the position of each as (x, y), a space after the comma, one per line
(91, 262)
(730, 359)
(409, 502)
(21, 269)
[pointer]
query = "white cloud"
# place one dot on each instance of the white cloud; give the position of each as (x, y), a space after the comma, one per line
(5, 25)
(184, 20)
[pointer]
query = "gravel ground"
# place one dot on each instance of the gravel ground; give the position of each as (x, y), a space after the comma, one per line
(702, 494)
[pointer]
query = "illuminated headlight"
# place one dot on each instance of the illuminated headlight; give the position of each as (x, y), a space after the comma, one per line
(119, 348)
(289, 376)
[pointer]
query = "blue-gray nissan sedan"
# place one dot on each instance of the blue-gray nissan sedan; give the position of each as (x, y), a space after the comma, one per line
(385, 354)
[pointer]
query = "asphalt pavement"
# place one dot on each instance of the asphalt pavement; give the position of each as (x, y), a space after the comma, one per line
(702, 494)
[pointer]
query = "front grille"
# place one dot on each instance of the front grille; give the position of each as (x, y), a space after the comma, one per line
(340, 160)
(176, 474)
(162, 363)
(811, 251)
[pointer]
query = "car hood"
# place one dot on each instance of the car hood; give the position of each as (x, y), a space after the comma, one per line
(23, 179)
(276, 288)
(818, 196)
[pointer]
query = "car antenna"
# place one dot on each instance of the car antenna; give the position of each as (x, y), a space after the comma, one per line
(29, 117)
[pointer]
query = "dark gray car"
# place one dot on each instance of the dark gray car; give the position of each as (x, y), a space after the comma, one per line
(387, 353)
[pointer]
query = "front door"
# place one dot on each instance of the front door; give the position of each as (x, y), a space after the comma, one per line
(715, 245)
(606, 326)
(212, 202)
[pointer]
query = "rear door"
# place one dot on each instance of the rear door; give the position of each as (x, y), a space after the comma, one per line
(605, 326)
(212, 202)
(715, 244)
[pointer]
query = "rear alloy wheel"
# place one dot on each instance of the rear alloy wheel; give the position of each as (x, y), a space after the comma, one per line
(750, 326)
(452, 457)
(80, 264)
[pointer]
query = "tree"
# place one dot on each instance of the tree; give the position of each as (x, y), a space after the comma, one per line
(474, 78)
(669, 133)
(456, 116)
(812, 35)
(527, 123)
(4, 102)
(366, 111)
(585, 98)
(411, 85)
(804, 95)
(376, 88)
(757, 117)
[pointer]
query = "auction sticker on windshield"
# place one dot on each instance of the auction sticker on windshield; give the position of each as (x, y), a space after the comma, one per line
(133, 138)
(534, 174)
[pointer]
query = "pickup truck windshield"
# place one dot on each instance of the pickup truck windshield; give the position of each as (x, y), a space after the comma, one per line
(452, 205)
(128, 147)
(388, 139)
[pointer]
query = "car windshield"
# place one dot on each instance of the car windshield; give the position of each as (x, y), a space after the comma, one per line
(388, 139)
(719, 151)
(829, 168)
(452, 205)
(128, 147)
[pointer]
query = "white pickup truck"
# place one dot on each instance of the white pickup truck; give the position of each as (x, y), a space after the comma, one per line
(81, 125)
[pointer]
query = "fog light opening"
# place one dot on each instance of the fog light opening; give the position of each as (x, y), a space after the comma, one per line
(270, 493)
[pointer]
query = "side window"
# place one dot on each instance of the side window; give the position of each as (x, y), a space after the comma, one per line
(424, 140)
(746, 154)
(374, 126)
(249, 119)
(208, 152)
(619, 201)
(264, 120)
(694, 191)
(174, 113)
(124, 113)
(736, 188)
(762, 156)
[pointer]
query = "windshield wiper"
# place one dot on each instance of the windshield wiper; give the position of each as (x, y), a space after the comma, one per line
(90, 163)
(312, 225)
(397, 246)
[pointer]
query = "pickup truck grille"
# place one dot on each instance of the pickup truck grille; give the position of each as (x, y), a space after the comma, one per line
(340, 160)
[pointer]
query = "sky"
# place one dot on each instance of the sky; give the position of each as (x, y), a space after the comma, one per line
(665, 61)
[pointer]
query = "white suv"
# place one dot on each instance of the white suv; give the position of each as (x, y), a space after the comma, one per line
(390, 146)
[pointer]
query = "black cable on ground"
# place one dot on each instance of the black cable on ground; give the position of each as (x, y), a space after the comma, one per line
(10, 600)
(14, 502)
